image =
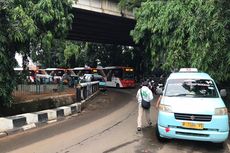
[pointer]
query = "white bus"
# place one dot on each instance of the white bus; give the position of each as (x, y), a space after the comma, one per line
(119, 76)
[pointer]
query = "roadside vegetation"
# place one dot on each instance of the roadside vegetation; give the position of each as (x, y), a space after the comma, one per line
(26, 27)
(178, 33)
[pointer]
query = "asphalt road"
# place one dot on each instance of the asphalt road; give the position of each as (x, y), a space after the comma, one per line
(107, 125)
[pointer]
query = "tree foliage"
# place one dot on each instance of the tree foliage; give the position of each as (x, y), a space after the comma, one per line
(14, 32)
(180, 33)
(73, 54)
(91, 54)
(25, 26)
(131, 4)
(53, 20)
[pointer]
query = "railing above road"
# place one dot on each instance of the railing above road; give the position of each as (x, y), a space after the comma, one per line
(103, 6)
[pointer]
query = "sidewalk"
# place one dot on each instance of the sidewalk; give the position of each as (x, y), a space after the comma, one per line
(22, 122)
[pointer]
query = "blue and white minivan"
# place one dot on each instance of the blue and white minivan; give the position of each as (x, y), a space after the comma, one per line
(191, 108)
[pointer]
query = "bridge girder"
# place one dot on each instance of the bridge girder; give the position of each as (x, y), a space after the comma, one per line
(97, 27)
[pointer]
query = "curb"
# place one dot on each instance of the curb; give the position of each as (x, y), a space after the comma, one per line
(23, 122)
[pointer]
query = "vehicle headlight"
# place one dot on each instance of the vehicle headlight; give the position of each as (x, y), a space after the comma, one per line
(165, 108)
(221, 111)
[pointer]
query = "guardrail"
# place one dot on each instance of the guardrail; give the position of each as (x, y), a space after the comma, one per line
(84, 90)
(37, 88)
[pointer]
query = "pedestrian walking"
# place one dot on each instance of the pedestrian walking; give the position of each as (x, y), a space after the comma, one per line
(144, 94)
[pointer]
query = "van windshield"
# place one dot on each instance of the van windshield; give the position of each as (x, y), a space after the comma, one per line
(191, 88)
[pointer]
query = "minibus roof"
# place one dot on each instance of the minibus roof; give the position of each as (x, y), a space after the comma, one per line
(184, 75)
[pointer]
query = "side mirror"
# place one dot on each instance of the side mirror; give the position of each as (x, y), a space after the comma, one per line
(223, 92)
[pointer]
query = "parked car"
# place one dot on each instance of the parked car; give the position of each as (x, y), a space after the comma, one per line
(73, 79)
(102, 82)
(43, 77)
(94, 77)
(56, 74)
(86, 78)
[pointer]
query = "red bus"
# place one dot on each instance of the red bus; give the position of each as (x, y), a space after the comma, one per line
(119, 76)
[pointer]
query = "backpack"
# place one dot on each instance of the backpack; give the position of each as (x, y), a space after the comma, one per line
(145, 104)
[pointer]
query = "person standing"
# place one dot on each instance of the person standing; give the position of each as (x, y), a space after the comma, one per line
(147, 95)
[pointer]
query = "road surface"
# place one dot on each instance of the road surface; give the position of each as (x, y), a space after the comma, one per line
(107, 125)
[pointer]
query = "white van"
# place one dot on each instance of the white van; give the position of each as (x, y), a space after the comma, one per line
(191, 108)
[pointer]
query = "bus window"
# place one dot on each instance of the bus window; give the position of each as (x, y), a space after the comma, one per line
(109, 75)
(120, 77)
(118, 73)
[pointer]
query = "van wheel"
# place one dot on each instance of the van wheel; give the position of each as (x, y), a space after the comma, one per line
(159, 138)
(117, 85)
(219, 145)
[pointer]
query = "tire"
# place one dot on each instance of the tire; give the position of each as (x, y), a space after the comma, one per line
(159, 138)
(117, 85)
(219, 145)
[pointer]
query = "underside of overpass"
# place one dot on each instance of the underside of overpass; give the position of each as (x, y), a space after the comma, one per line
(90, 26)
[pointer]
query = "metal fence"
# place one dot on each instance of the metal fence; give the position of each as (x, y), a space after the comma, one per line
(33, 91)
(84, 90)
(38, 88)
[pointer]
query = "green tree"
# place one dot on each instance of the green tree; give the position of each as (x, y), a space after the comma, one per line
(73, 54)
(78, 54)
(181, 33)
(25, 25)
(16, 29)
(108, 55)
(53, 19)
(130, 4)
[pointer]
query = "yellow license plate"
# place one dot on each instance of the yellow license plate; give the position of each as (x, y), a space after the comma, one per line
(193, 125)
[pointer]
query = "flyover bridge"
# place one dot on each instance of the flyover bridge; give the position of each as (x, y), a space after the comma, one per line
(101, 21)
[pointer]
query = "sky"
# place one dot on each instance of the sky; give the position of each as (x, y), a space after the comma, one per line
(18, 57)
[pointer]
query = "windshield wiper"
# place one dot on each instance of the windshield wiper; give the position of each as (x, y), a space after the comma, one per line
(179, 95)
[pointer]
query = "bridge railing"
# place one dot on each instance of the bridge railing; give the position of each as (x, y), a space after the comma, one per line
(103, 6)
(85, 90)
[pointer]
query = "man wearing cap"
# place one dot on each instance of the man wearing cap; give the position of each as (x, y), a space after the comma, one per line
(147, 95)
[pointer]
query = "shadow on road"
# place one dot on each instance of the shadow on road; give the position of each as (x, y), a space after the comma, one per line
(150, 144)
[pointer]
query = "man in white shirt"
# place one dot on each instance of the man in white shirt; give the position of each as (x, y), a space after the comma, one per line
(147, 95)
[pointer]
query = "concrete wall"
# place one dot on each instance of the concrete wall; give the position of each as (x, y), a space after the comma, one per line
(103, 6)
(22, 122)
